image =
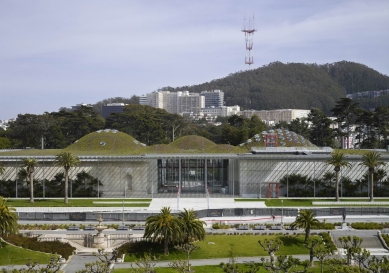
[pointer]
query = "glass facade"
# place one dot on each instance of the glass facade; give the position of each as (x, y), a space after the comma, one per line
(193, 175)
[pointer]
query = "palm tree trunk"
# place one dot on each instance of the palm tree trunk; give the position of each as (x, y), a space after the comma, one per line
(307, 232)
(371, 186)
(31, 189)
(165, 246)
(188, 261)
(337, 186)
(66, 186)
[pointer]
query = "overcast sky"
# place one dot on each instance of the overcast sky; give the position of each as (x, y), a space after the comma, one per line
(60, 53)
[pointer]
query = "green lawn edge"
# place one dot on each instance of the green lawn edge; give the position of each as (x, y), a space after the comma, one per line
(59, 202)
(13, 255)
(221, 246)
(297, 202)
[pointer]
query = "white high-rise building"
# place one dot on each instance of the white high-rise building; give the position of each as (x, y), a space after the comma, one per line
(275, 116)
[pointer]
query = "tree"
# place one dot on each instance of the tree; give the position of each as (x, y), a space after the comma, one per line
(180, 266)
(338, 161)
(321, 252)
(145, 264)
(27, 130)
(30, 164)
(66, 160)
(345, 112)
(8, 219)
(283, 264)
(188, 248)
(231, 266)
(371, 160)
(320, 132)
(306, 220)
(352, 246)
(103, 264)
(381, 123)
(163, 227)
(191, 226)
(311, 245)
(271, 246)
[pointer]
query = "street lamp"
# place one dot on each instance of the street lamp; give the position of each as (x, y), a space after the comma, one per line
(282, 212)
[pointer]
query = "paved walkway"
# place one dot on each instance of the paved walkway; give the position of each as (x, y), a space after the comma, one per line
(201, 203)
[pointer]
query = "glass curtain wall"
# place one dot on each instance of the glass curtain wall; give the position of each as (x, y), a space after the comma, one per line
(192, 175)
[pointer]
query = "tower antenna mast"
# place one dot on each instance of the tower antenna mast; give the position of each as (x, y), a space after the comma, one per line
(248, 30)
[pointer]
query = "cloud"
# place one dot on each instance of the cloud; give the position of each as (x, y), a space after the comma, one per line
(85, 51)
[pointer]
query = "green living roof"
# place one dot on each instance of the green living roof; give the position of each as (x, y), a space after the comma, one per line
(113, 142)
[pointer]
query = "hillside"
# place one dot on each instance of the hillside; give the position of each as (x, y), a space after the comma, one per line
(294, 85)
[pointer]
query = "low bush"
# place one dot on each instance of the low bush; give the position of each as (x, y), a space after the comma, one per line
(220, 226)
(386, 238)
(362, 225)
(54, 247)
(325, 226)
(139, 248)
(328, 241)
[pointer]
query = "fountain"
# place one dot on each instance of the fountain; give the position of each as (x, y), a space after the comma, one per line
(100, 240)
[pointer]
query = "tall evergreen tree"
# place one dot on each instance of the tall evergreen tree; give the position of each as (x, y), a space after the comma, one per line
(345, 112)
(321, 133)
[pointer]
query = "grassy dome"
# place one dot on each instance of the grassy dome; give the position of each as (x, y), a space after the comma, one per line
(105, 142)
(193, 143)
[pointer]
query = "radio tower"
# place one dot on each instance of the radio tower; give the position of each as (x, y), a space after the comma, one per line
(248, 29)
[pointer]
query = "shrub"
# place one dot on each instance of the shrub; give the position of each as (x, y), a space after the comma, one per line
(386, 238)
(362, 225)
(63, 249)
(328, 241)
(139, 248)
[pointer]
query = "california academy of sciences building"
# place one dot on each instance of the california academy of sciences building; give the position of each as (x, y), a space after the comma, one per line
(220, 170)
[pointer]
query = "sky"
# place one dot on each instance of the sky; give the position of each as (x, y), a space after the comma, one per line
(61, 53)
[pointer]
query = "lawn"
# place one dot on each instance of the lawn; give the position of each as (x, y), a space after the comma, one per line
(58, 202)
(220, 246)
(276, 202)
(213, 269)
(19, 256)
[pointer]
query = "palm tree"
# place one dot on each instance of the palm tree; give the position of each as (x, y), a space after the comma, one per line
(30, 164)
(66, 160)
(338, 161)
(8, 219)
(306, 220)
(371, 160)
(192, 226)
(163, 227)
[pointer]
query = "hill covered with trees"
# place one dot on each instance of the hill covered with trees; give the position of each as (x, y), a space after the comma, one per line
(294, 85)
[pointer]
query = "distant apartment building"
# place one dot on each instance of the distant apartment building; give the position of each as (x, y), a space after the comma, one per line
(77, 106)
(190, 103)
(4, 124)
(368, 94)
(213, 98)
(184, 102)
(275, 116)
(222, 111)
(112, 108)
(143, 100)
